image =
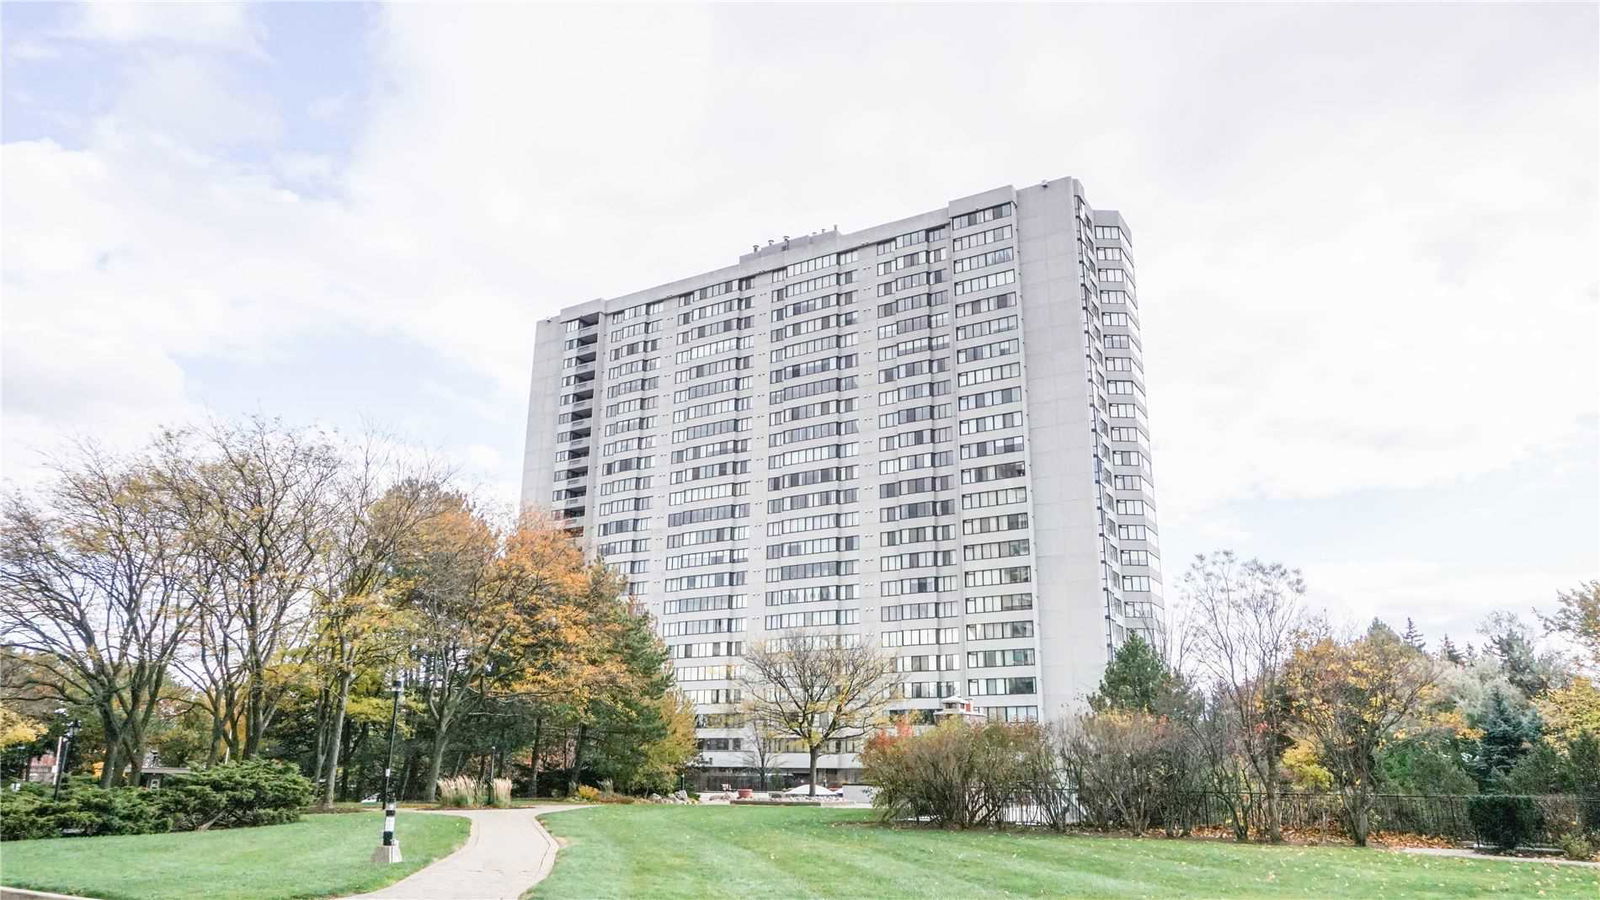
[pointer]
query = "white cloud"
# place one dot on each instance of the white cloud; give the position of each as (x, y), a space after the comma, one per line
(328, 108)
(224, 26)
(31, 50)
(1440, 599)
(193, 100)
(1351, 252)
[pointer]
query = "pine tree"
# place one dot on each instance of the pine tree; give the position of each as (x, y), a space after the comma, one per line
(1449, 653)
(1136, 680)
(1508, 733)
(1413, 636)
(1510, 645)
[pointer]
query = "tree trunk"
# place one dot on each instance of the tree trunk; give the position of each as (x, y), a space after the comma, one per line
(252, 721)
(112, 768)
(319, 752)
(575, 778)
(407, 769)
(335, 740)
(533, 758)
(214, 750)
(133, 748)
(1274, 820)
(435, 761)
(814, 753)
(1359, 806)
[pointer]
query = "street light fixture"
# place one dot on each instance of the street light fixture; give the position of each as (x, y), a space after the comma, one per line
(389, 850)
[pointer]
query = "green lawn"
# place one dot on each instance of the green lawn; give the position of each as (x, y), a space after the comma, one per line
(717, 851)
(319, 856)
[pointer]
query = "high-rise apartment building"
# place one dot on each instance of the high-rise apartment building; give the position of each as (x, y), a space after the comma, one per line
(930, 434)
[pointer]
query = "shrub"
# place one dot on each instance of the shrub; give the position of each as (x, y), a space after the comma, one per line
(1577, 847)
(500, 792)
(123, 810)
(957, 774)
(83, 811)
(588, 793)
(1503, 822)
(235, 795)
(458, 791)
(1123, 764)
(20, 815)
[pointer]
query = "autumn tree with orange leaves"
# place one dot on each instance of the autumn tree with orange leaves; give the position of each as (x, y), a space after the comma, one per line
(490, 611)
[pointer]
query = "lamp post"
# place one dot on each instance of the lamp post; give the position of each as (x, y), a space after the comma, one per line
(389, 850)
(63, 748)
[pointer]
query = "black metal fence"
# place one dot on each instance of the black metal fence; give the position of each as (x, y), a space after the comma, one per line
(1440, 816)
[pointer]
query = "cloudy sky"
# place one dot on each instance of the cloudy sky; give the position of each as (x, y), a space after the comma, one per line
(1367, 235)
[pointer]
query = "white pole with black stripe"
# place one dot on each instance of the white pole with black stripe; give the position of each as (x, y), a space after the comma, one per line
(389, 850)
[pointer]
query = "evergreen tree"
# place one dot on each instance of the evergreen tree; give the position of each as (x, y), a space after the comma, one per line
(1379, 628)
(1413, 636)
(1509, 644)
(1449, 653)
(1510, 729)
(1584, 754)
(1136, 680)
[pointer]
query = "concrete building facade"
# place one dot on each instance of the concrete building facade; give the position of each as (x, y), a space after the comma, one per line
(930, 434)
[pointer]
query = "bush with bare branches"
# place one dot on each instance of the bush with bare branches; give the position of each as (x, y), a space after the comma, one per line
(958, 775)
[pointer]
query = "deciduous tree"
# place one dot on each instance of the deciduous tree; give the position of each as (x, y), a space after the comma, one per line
(486, 606)
(1245, 619)
(1349, 699)
(377, 509)
(817, 688)
(762, 741)
(1577, 618)
(256, 496)
(99, 584)
(1571, 710)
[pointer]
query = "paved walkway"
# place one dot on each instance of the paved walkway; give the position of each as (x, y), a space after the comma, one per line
(507, 853)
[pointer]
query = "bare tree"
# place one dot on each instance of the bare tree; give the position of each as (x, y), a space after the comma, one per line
(1246, 616)
(255, 494)
(762, 742)
(817, 688)
(99, 583)
(209, 662)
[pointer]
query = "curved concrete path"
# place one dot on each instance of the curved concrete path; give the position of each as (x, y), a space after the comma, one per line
(507, 853)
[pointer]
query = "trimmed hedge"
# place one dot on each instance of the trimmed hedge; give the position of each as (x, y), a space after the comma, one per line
(234, 795)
